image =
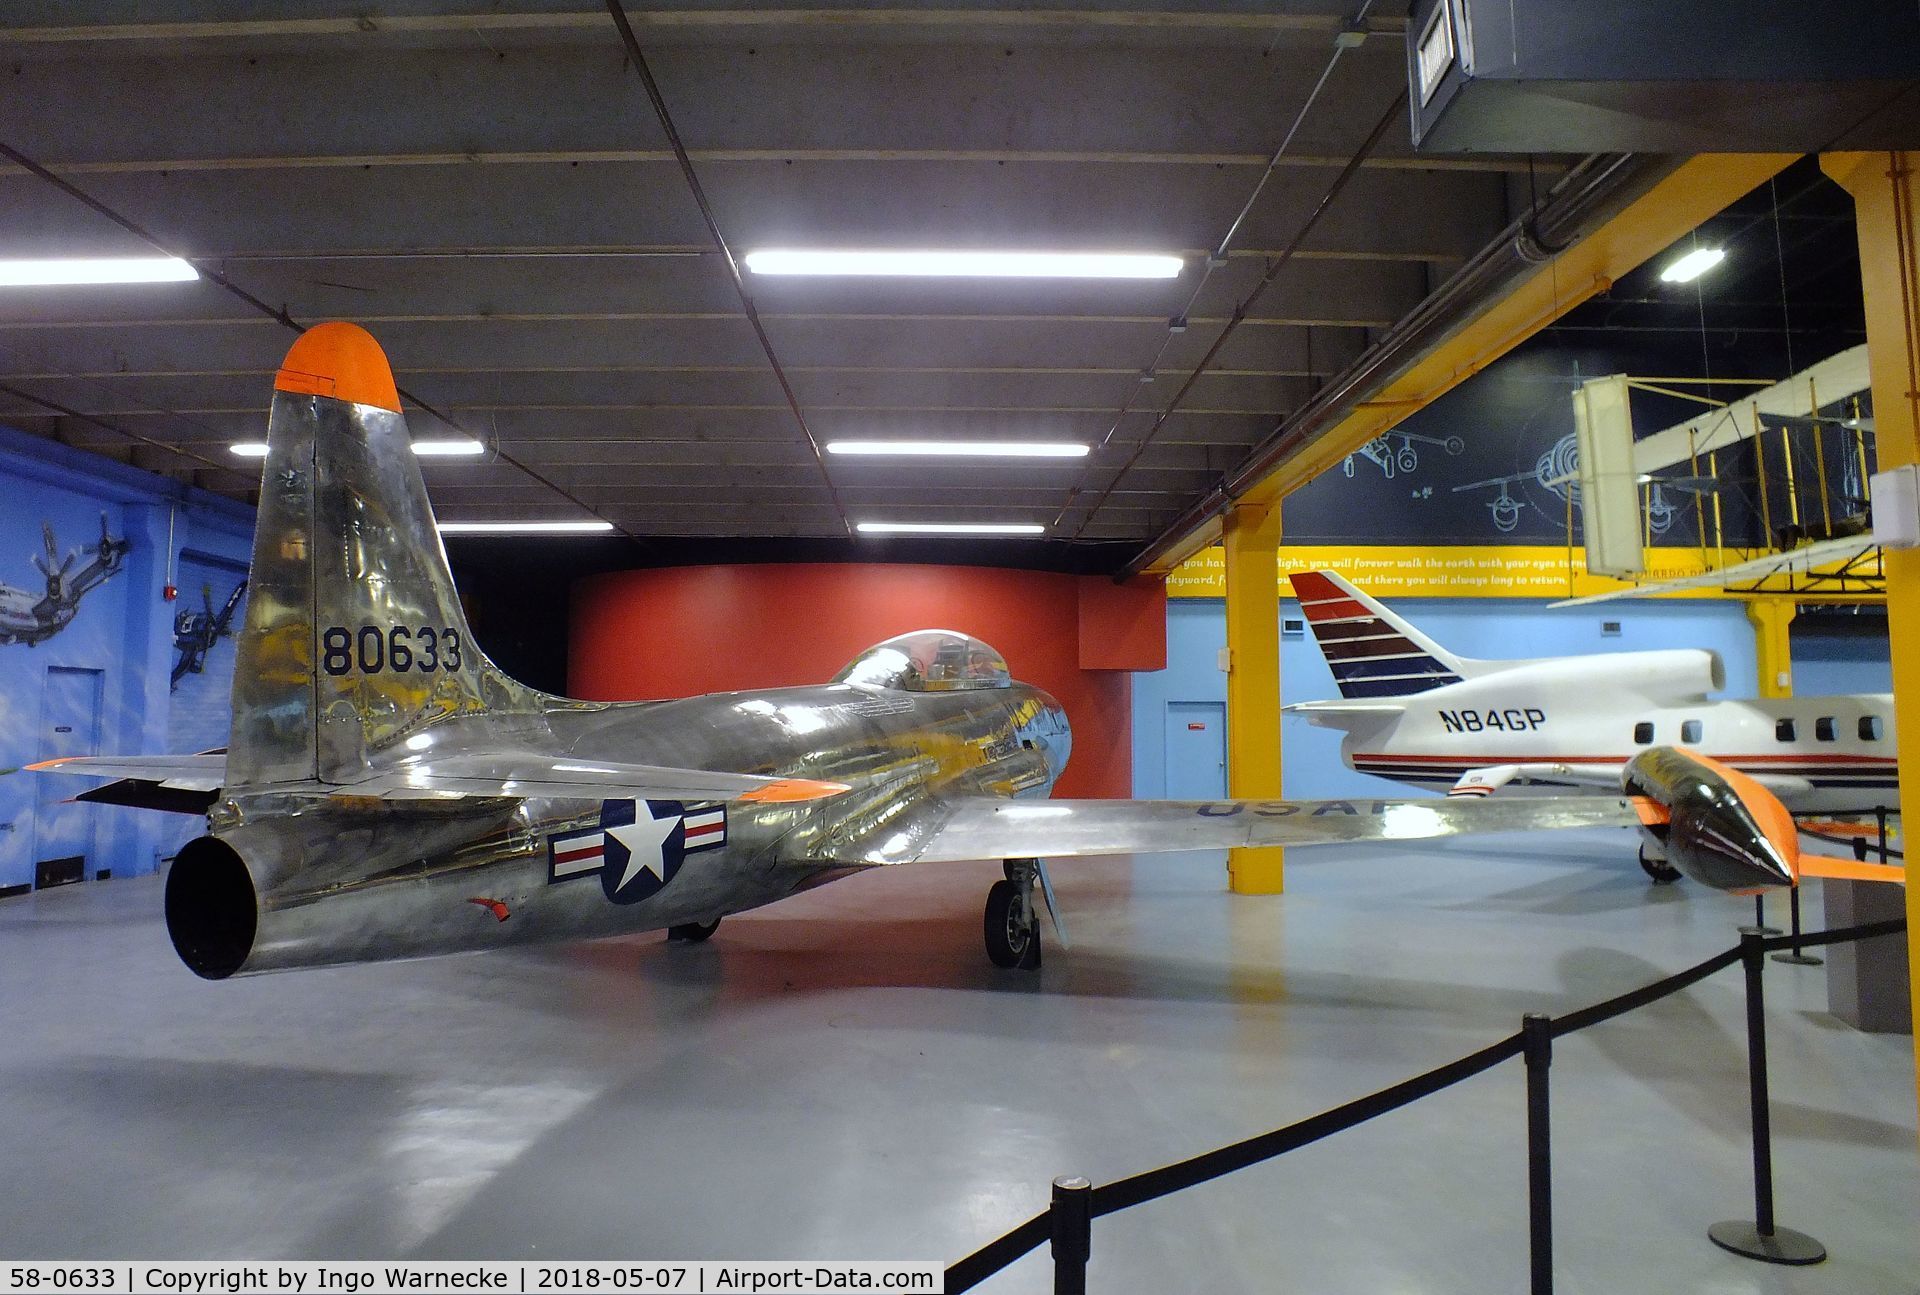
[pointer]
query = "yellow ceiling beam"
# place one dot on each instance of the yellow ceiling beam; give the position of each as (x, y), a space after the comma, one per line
(1700, 187)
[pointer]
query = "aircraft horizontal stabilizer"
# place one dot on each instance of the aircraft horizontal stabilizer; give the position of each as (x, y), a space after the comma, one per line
(485, 774)
(985, 827)
(1343, 714)
(175, 772)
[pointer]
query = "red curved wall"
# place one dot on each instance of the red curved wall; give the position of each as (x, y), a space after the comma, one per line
(683, 630)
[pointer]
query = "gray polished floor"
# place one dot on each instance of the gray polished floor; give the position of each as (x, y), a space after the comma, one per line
(843, 1076)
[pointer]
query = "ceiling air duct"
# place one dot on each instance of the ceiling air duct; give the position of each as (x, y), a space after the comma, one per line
(1655, 76)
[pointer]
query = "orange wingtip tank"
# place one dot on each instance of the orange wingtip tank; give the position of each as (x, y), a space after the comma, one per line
(794, 789)
(340, 360)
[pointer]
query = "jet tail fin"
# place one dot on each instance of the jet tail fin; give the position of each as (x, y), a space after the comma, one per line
(1371, 651)
(354, 637)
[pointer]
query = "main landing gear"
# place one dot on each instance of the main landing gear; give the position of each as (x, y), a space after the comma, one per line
(1013, 922)
(1662, 872)
(693, 932)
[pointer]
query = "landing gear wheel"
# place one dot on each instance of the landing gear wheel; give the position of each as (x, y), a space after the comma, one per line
(693, 932)
(1663, 873)
(1013, 935)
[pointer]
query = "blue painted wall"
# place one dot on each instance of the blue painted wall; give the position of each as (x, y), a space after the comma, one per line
(123, 629)
(1196, 631)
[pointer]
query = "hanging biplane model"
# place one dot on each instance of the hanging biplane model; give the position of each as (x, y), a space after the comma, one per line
(387, 792)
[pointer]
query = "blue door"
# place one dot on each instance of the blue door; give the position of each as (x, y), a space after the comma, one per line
(1196, 750)
(69, 725)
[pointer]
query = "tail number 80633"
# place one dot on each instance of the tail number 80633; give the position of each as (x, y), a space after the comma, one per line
(393, 649)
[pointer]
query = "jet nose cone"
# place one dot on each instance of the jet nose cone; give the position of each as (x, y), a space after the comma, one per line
(1721, 844)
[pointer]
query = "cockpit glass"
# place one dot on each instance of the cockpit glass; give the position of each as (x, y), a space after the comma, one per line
(929, 661)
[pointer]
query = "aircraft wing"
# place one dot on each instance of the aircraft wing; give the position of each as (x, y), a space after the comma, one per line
(946, 830)
(473, 774)
(1604, 776)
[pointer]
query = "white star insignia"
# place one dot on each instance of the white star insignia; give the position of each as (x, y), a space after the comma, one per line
(645, 839)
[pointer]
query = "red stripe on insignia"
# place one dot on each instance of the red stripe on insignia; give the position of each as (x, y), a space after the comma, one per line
(574, 856)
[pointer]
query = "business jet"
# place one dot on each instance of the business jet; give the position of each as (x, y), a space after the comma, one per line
(387, 792)
(1416, 713)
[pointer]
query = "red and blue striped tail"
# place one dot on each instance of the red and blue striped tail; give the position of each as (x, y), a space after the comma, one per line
(1371, 652)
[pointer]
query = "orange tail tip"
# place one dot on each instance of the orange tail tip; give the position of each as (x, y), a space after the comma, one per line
(342, 361)
(794, 789)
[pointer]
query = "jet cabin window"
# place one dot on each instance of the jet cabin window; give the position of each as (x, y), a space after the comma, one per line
(1783, 730)
(1871, 728)
(1690, 731)
(1824, 730)
(1643, 732)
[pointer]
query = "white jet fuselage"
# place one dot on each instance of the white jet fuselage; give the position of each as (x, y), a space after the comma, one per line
(1822, 754)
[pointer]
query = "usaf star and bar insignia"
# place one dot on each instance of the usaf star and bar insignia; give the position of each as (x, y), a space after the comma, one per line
(638, 846)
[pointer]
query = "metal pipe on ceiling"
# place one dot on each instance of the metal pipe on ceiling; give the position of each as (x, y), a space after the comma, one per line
(1590, 193)
(618, 12)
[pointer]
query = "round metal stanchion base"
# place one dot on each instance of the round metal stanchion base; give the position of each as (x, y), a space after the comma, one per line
(1800, 959)
(1782, 1246)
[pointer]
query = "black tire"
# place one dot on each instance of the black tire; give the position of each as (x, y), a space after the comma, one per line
(693, 932)
(1663, 874)
(1010, 942)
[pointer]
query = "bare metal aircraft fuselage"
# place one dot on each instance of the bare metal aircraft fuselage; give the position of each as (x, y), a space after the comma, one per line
(433, 876)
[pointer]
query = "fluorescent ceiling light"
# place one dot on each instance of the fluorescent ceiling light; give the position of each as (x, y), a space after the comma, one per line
(944, 263)
(1693, 265)
(524, 528)
(950, 528)
(964, 449)
(425, 449)
(450, 448)
(95, 269)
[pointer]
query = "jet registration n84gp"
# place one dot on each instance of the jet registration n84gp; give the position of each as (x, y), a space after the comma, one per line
(387, 792)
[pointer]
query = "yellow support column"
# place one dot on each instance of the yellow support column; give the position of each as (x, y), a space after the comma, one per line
(1884, 213)
(1773, 650)
(1253, 682)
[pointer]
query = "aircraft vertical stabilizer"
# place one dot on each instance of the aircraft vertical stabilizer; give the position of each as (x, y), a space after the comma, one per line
(1371, 651)
(354, 636)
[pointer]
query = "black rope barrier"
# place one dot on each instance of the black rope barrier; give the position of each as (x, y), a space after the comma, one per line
(1155, 1183)
(1069, 1218)
(1621, 1004)
(1842, 935)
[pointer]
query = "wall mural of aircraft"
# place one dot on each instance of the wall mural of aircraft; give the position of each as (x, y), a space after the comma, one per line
(31, 618)
(195, 632)
(386, 792)
(1416, 713)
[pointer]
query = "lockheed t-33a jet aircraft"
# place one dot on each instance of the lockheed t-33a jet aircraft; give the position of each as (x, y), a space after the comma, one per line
(388, 793)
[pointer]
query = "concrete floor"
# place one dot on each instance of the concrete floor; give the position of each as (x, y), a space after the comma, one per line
(843, 1076)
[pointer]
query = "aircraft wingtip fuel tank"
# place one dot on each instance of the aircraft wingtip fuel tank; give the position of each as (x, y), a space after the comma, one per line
(387, 792)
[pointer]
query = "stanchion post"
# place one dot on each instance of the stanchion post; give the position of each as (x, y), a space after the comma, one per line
(1761, 1239)
(1796, 955)
(1759, 926)
(1536, 1034)
(1071, 1213)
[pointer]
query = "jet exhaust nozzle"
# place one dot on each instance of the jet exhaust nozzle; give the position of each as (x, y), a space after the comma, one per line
(213, 911)
(1723, 829)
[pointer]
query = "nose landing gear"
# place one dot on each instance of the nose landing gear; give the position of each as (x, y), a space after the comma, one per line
(1012, 922)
